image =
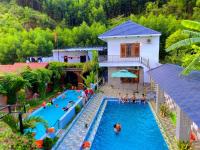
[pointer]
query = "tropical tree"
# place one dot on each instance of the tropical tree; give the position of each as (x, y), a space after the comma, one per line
(91, 78)
(193, 39)
(38, 79)
(31, 122)
(57, 69)
(45, 76)
(10, 84)
(28, 122)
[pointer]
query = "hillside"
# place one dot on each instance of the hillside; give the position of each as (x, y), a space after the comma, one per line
(28, 27)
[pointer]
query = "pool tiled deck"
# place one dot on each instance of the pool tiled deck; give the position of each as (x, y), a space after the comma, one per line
(73, 139)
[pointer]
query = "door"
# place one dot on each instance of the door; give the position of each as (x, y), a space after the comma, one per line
(65, 59)
(83, 58)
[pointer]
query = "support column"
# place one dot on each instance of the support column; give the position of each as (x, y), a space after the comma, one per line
(159, 98)
(183, 125)
(146, 75)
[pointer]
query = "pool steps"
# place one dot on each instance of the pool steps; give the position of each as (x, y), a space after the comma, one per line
(73, 138)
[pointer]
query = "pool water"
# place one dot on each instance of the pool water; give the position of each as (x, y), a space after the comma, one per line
(52, 113)
(139, 129)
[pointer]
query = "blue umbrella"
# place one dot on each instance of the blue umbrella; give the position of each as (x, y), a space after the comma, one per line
(123, 74)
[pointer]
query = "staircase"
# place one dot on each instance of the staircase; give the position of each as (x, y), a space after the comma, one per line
(74, 137)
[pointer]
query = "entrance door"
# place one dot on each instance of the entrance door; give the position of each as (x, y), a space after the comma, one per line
(83, 58)
(65, 59)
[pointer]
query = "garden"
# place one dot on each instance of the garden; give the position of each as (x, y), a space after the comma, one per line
(47, 84)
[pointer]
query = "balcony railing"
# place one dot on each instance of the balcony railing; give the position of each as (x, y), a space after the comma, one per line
(117, 58)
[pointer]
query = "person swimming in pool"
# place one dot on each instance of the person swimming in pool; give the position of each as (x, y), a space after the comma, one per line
(117, 128)
(70, 104)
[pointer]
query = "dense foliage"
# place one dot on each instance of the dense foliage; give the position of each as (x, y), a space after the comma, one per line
(188, 42)
(11, 84)
(9, 140)
(35, 27)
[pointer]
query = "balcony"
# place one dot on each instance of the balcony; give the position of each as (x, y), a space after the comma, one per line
(116, 60)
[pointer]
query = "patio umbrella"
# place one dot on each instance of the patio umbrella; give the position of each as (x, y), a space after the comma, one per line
(124, 74)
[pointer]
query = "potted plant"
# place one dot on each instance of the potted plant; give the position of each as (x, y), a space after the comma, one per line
(184, 145)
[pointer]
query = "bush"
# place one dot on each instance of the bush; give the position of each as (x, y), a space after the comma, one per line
(77, 109)
(173, 118)
(164, 110)
(184, 145)
(68, 85)
(48, 143)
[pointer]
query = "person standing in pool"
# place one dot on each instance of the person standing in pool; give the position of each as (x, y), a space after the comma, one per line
(143, 99)
(117, 128)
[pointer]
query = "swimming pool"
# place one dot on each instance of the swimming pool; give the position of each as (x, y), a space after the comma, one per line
(52, 113)
(139, 129)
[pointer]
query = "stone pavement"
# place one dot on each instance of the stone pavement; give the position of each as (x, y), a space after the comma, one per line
(76, 135)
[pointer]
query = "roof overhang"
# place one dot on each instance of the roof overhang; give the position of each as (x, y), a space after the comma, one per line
(79, 49)
(104, 38)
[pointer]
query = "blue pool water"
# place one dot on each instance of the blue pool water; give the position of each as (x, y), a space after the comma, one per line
(52, 114)
(139, 129)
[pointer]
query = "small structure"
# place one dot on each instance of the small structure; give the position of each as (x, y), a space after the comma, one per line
(132, 47)
(18, 67)
(74, 55)
(181, 94)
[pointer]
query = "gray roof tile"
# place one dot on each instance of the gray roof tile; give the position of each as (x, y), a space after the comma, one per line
(184, 90)
(129, 28)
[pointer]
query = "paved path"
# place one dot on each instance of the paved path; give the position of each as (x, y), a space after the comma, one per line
(75, 136)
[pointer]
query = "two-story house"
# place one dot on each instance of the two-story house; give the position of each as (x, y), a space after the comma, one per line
(132, 47)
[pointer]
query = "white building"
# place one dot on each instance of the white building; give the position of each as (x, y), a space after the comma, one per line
(73, 55)
(132, 47)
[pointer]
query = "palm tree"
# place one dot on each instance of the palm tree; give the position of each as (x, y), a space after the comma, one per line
(194, 38)
(31, 122)
(28, 123)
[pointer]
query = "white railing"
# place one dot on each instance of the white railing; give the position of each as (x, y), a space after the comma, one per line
(118, 58)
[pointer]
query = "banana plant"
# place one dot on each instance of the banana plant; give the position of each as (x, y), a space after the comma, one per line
(194, 38)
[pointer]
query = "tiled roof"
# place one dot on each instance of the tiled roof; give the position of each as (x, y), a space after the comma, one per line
(184, 90)
(18, 67)
(80, 49)
(129, 28)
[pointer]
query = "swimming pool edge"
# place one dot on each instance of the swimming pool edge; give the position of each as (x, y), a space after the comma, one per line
(165, 137)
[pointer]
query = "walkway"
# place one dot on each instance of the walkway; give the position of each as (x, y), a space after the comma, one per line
(75, 136)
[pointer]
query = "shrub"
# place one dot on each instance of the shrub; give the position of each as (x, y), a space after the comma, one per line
(68, 85)
(164, 110)
(77, 109)
(173, 118)
(184, 145)
(48, 143)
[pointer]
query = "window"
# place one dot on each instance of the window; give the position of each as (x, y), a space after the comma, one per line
(130, 50)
